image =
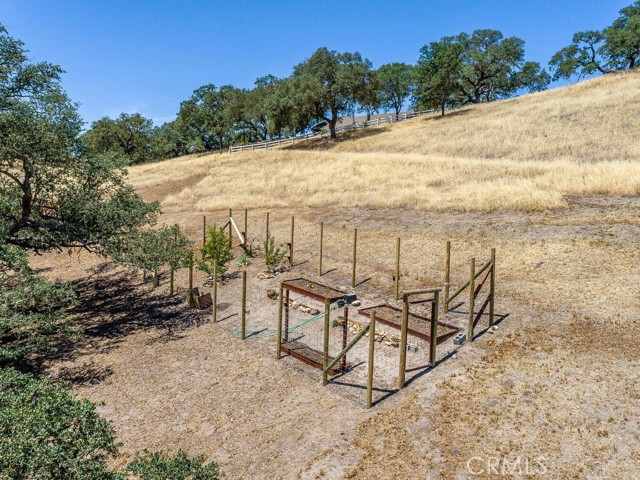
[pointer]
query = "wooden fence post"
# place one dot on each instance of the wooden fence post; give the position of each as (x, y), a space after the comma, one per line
(434, 328)
(279, 331)
(204, 230)
(156, 280)
(447, 279)
(472, 287)
(230, 231)
(403, 340)
(353, 262)
(397, 274)
(293, 222)
(321, 239)
(372, 346)
(246, 227)
(172, 270)
(215, 291)
(190, 294)
(492, 286)
(243, 323)
(325, 351)
(287, 303)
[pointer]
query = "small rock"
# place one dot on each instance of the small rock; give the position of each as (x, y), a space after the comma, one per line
(357, 303)
(454, 356)
(295, 304)
(314, 311)
(272, 294)
(495, 327)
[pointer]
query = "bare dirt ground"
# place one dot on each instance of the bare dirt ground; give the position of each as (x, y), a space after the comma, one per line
(555, 386)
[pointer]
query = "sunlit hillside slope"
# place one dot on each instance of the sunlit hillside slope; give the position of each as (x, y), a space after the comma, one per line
(532, 152)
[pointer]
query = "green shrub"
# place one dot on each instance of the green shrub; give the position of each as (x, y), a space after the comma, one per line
(244, 260)
(216, 248)
(162, 466)
(45, 433)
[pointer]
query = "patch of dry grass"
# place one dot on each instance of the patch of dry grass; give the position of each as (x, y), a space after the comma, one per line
(527, 153)
(593, 121)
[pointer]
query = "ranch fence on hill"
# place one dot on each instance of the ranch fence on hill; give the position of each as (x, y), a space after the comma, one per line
(354, 126)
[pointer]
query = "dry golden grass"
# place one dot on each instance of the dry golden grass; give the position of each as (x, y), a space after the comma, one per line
(527, 153)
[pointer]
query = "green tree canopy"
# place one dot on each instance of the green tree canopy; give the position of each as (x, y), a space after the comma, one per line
(202, 120)
(615, 48)
(330, 84)
(162, 466)
(493, 67)
(584, 56)
(285, 113)
(396, 85)
(249, 112)
(168, 141)
(33, 311)
(52, 193)
(623, 38)
(129, 135)
(438, 74)
(46, 433)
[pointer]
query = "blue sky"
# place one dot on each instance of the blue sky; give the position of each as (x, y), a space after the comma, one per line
(148, 56)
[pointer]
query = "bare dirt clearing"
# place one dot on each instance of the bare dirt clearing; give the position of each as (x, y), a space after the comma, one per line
(558, 379)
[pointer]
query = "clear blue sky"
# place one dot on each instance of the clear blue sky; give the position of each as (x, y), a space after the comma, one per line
(148, 56)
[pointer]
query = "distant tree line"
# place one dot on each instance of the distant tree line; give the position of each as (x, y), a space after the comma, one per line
(454, 71)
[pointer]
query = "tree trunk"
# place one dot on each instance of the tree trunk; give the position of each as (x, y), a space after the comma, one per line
(442, 105)
(332, 128)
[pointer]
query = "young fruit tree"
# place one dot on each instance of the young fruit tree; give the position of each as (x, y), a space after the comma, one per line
(273, 255)
(216, 250)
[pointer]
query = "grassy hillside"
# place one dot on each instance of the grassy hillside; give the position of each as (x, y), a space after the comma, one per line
(526, 153)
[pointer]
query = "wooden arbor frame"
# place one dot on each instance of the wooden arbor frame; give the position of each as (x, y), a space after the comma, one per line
(302, 352)
(489, 270)
(406, 322)
(433, 337)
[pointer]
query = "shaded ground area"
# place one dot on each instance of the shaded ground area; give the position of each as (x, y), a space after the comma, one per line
(557, 380)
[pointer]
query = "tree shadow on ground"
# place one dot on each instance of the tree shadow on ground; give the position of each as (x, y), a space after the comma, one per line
(448, 114)
(325, 143)
(113, 305)
(84, 374)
